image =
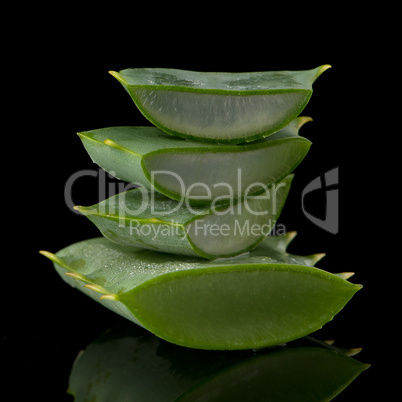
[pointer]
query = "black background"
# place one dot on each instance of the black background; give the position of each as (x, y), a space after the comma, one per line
(59, 82)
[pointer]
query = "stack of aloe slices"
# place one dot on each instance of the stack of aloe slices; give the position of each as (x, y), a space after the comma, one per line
(188, 254)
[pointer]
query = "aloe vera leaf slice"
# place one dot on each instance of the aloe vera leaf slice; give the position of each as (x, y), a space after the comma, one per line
(155, 222)
(193, 171)
(219, 107)
(127, 363)
(263, 298)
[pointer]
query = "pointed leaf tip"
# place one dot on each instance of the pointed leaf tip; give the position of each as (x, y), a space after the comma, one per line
(345, 275)
(319, 70)
(302, 120)
(80, 208)
(118, 76)
(86, 210)
(317, 257)
(353, 351)
(46, 253)
(52, 257)
(290, 236)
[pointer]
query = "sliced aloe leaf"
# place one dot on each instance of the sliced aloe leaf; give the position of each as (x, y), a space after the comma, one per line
(194, 171)
(219, 107)
(131, 364)
(266, 297)
(154, 221)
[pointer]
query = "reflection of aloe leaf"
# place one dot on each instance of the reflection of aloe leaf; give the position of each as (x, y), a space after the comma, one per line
(220, 107)
(155, 222)
(195, 171)
(262, 298)
(128, 363)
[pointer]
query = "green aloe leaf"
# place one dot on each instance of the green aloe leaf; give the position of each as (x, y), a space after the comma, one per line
(152, 221)
(266, 297)
(196, 172)
(219, 107)
(130, 364)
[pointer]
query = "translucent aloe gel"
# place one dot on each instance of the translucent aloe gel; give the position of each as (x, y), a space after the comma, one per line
(219, 107)
(196, 172)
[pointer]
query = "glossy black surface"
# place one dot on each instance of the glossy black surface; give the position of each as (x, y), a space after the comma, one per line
(128, 363)
(60, 89)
